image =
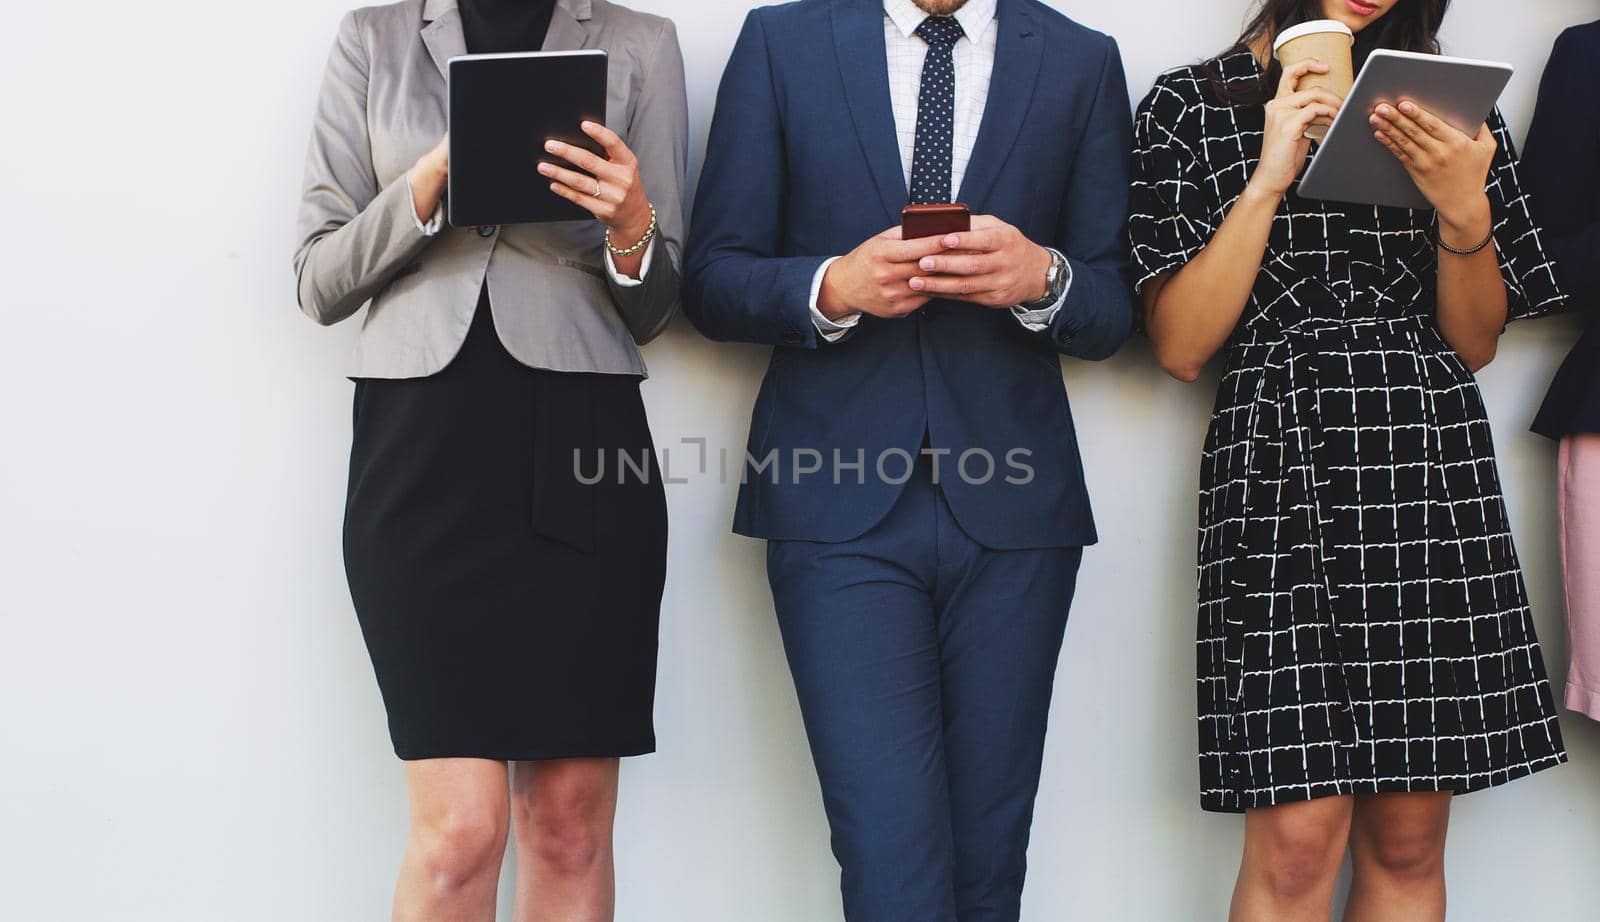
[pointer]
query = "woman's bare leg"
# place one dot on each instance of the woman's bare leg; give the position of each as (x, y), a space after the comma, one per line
(1397, 847)
(1292, 855)
(459, 815)
(564, 811)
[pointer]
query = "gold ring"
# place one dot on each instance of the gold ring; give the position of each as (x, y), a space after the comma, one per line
(596, 192)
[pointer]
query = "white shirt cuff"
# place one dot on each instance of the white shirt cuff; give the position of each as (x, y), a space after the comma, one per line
(1038, 321)
(624, 281)
(435, 221)
(831, 330)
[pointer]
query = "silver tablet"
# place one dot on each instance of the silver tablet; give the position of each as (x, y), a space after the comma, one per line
(1351, 166)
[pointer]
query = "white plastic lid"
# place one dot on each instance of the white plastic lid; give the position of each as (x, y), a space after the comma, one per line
(1311, 28)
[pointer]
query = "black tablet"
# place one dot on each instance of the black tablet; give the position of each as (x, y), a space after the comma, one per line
(502, 110)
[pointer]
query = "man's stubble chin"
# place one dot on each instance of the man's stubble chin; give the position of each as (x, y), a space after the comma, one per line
(939, 7)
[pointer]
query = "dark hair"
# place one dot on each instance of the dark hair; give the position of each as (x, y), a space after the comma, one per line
(1412, 25)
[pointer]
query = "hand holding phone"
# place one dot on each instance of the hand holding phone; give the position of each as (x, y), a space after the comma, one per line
(993, 265)
(872, 278)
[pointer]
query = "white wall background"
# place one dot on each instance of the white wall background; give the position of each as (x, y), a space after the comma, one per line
(189, 729)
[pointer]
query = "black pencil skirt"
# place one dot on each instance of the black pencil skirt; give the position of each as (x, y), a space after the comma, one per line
(511, 607)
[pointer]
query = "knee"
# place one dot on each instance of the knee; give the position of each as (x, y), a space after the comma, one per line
(461, 844)
(1298, 862)
(1405, 851)
(566, 827)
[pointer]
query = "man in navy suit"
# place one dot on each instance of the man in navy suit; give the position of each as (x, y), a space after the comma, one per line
(912, 459)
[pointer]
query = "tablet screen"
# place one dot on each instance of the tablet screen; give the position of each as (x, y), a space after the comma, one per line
(502, 110)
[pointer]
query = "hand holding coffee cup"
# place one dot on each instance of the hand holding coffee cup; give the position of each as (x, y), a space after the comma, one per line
(1284, 145)
(1329, 42)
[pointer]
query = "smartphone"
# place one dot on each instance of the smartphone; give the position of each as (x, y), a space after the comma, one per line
(918, 221)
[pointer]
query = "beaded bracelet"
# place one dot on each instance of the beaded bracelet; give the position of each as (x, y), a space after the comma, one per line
(1472, 252)
(649, 235)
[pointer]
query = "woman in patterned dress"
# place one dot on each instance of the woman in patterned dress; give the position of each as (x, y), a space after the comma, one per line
(1365, 645)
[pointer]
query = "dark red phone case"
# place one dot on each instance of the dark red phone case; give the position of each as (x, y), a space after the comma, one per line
(917, 221)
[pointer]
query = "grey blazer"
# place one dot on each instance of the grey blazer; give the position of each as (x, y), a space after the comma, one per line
(382, 106)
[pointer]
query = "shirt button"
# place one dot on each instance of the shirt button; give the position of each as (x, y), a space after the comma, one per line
(486, 230)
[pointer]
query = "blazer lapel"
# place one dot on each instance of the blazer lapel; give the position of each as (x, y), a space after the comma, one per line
(864, 65)
(569, 26)
(441, 33)
(1018, 53)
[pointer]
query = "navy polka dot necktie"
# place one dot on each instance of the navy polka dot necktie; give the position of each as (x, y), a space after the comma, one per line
(936, 112)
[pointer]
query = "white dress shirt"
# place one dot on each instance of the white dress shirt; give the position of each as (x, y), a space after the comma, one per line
(974, 65)
(435, 223)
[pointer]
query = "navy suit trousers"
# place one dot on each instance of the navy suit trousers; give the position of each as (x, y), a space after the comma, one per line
(924, 664)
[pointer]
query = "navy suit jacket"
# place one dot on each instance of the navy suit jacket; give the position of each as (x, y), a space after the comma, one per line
(803, 164)
(1561, 170)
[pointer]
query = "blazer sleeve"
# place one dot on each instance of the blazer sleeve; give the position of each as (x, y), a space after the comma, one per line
(737, 287)
(1097, 317)
(1558, 163)
(353, 236)
(658, 135)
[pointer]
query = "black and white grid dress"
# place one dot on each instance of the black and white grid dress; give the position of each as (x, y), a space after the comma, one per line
(1364, 627)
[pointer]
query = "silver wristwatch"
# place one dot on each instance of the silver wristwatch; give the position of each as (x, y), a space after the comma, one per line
(1055, 284)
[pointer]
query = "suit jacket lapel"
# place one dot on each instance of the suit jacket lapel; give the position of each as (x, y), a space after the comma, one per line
(864, 65)
(1018, 53)
(569, 26)
(441, 32)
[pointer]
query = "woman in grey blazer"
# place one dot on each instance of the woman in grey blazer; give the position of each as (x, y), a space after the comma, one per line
(505, 526)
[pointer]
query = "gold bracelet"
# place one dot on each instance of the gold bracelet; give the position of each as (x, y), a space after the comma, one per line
(649, 234)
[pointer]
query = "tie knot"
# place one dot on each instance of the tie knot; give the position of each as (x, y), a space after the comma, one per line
(940, 31)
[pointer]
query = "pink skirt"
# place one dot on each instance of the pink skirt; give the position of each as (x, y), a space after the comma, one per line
(1580, 560)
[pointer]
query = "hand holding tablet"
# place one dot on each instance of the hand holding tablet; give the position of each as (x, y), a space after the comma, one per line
(1448, 166)
(607, 187)
(428, 178)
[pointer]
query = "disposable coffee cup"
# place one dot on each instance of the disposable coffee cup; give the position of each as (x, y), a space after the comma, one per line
(1328, 41)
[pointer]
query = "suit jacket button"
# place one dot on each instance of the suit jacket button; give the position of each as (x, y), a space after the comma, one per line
(794, 337)
(486, 230)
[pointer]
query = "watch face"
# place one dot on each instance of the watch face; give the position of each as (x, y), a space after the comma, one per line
(1058, 276)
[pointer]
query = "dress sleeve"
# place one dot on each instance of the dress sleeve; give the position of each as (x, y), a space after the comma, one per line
(1525, 263)
(1171, 217)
